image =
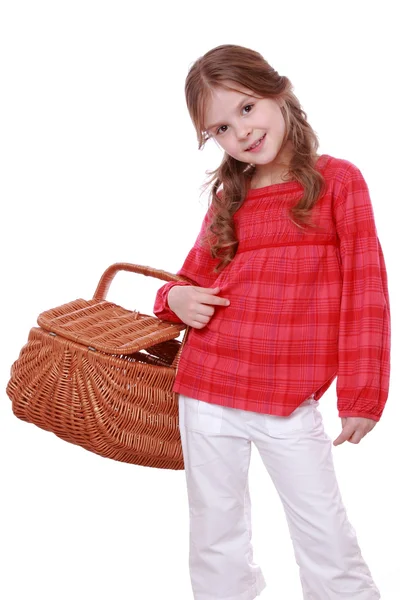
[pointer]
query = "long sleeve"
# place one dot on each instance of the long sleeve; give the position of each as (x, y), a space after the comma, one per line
(198, 268)
(364, 326)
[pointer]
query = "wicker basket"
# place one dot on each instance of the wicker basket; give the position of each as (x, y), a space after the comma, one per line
(100, 376)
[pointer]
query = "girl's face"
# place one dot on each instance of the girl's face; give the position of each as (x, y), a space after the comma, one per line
(238, 120)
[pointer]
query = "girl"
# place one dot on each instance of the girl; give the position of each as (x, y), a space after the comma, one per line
(285, 289)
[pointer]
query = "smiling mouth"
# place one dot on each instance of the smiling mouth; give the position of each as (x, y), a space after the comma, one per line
(257, 143)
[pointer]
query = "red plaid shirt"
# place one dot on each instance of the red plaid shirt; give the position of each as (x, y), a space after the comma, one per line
(305, 305)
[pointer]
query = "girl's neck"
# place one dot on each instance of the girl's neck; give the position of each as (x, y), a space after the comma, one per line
(261, 179)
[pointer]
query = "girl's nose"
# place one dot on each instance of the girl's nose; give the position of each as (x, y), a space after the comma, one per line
(244, 132)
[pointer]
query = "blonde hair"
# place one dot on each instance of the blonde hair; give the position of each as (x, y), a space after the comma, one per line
(249, 69)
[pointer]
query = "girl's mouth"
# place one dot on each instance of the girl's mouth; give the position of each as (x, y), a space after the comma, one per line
(256, 146)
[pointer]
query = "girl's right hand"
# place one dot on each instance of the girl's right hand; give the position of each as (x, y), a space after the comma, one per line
(195, 305)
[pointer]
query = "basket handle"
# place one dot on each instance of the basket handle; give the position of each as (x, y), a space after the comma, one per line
(109, 274)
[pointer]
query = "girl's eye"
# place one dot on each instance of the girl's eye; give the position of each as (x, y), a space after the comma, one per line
(250, 106)
(218, 130)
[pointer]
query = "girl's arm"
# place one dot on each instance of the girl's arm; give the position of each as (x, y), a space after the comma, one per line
(364, 329)
(197, 267)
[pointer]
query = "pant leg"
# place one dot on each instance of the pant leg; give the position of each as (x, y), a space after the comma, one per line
(298, 456)
(217, 456)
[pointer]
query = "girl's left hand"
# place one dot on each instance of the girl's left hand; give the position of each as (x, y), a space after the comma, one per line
(354, 429)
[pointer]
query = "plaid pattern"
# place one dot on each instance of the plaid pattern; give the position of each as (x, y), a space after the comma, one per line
(306, 306)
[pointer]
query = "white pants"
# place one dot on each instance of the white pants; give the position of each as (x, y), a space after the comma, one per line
(296, 451)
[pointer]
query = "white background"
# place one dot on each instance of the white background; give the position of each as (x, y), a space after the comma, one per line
(99, 164)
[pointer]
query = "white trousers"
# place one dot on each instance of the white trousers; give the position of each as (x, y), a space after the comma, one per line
(297, 453)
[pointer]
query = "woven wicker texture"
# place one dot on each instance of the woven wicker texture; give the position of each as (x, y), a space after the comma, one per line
(107, 327)
(101, 376)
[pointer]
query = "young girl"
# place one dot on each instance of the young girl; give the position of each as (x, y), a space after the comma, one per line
(287, 290)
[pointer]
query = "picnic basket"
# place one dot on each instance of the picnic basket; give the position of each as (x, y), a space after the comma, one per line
(101, 376)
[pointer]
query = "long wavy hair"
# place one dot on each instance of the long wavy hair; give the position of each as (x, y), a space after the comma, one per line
(249, 69)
